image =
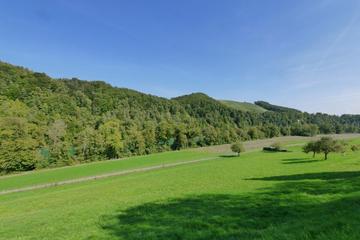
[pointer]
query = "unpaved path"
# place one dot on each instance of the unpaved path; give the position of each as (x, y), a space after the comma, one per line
(119, 173)
(259, 144)
(221, 149)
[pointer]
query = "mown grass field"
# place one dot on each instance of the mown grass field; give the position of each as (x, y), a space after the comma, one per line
(256, 196)
(244, 106)
(97, 168)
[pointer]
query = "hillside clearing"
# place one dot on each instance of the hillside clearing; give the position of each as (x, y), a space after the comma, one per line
(244, 106)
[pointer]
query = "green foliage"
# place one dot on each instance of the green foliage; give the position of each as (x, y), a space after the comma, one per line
(49, 122)
(270, 131)
(313, 147)
(277, 146)
(237, 148)
(111, 139)
(307, 130)
(255, 133)
(355, 148)
(20, 139)
(325, 145)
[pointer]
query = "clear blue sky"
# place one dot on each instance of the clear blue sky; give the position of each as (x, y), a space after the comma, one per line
(303, 54)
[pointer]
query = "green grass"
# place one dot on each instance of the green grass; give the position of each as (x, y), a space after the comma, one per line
(257, 196)
(244, 106)
(97, 168)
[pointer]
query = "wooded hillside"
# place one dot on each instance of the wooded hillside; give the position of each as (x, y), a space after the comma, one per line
(47, 122)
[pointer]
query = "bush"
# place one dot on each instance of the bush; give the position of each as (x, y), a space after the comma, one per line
(355, 148)
(237, 148)
(275, 147)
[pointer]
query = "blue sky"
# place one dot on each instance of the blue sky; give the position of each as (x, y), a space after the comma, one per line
(303, 54)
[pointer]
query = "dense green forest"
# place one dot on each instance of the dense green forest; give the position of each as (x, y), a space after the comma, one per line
(47, 122)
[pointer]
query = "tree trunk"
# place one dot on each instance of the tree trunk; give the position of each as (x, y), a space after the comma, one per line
(326, 156)
(314, 154)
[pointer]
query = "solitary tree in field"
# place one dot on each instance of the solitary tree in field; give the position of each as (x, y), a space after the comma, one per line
(328, 145)
(313, 147)
(237, 148)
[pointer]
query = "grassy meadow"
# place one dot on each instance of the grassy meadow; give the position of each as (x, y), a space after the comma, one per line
(255, 196)
(96, 168)
(244, 106)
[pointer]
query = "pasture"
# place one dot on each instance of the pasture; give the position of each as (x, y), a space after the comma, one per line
(255, 196)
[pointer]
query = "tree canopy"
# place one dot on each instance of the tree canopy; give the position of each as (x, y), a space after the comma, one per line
(237, 148)
(325, 145)
(47, 122)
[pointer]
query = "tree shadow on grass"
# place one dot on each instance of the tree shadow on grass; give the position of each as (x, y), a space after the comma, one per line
(341, 175)
(326, 209)
(229, 156)
(298, 160)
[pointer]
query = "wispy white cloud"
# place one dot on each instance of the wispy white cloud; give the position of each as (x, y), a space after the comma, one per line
(335, 63)
(338, 39)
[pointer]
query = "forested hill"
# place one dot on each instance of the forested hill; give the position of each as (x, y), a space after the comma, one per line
(46, 122)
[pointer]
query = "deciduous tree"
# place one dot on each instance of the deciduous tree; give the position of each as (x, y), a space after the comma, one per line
(238, 148)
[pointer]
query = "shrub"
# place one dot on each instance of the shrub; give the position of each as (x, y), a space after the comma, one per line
(277, 146)
(237, 148)
(355, 148)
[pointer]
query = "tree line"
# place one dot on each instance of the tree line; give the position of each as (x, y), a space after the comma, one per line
(47, 122)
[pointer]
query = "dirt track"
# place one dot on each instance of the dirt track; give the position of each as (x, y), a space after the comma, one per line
(258, 144)
(119, 173)
(224, 149)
